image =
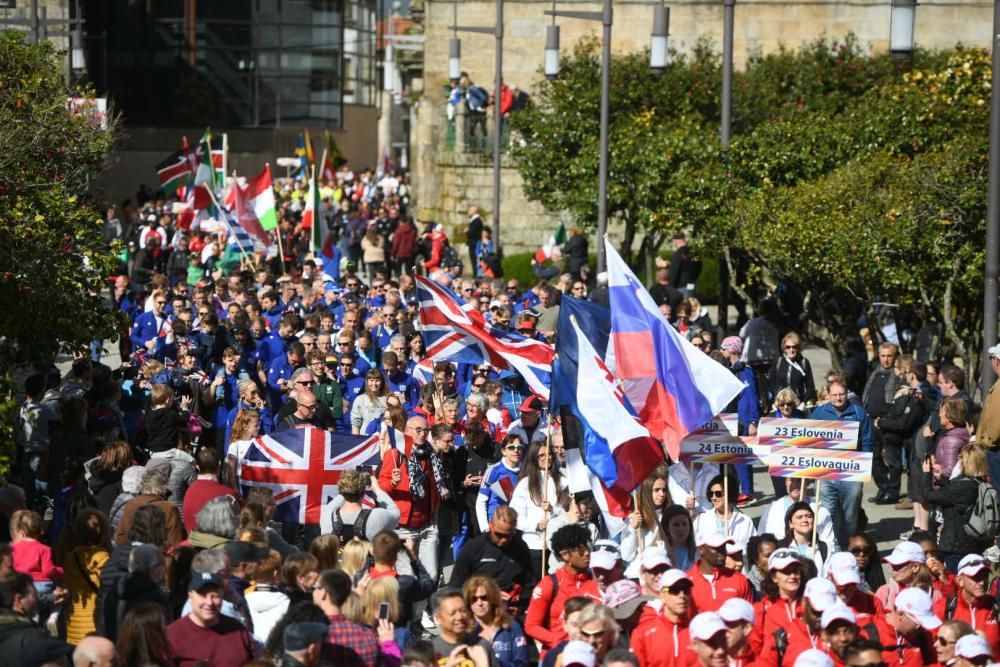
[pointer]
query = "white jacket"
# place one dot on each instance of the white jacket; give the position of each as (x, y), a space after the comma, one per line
(772, 520)
(679, 484)
(266, 609)
(529, 514)
(630, 539)
(740, 526)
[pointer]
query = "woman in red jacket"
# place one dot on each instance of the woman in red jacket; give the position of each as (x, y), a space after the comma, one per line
(404, 246)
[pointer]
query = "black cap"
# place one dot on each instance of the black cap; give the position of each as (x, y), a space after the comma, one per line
(200, 580)
(244, 552)
(299, 636)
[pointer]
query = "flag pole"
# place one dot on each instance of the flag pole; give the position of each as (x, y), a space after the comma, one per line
(229, 228)
(545, 492)
(638, 532)
(322, 164)
(725, 498)
(225, 153)
(819, 483)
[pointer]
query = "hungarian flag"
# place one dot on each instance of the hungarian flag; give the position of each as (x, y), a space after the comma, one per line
(557, 239)
(242, 210)
(174, 172)
(260, 191)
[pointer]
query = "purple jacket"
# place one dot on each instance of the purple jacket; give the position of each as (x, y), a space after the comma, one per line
(948, 445)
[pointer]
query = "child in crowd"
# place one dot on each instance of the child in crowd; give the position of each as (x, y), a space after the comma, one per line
(34, 558)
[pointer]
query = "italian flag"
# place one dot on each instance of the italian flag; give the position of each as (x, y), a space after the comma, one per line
(310, 216)
(239, 204)
(556, 239)
(260, 191)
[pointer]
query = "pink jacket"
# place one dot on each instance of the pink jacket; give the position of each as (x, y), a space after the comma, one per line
(35, 559)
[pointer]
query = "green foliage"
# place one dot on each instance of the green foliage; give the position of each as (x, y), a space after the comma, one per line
(518, 267)
(848, 177)
(54, 259)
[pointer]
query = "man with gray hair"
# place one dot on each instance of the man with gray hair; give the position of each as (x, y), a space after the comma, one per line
(153, 491)
(302, 383)
(878, 397)
(215, 523)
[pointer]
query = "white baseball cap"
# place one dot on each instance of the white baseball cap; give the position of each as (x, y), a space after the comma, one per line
(704, 626)
(971, 565)
(822, 594)
(838, 612)
(813, 658)
(842, 568)
(781, 559)
(916, 603)
(736, 609)
(671, 577)
(579, 652)
(736, 548)
(994, 352)
(971, 646)
(653, 557)
(714, 539)
(906, 552)
(605, 555)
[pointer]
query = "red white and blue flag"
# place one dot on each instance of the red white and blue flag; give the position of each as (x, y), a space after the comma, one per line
(673, 386)
(302, 467)
(456, 331)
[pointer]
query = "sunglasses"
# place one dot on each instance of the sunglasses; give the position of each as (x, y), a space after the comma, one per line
(304, 383)
(480, 598)
(595, 634)
(308, 407)
(514, 448)
(792, 347)
(857, 551)
(715, 494)
(679, 589)
(501, 536)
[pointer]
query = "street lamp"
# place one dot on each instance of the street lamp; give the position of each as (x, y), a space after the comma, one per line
(725, 135)
(551, 51)
(901, 22)
(455, 71)
(990, 295)
(659, 40)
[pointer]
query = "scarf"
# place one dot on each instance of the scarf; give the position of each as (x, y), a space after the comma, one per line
(442, 477)
(418, 480)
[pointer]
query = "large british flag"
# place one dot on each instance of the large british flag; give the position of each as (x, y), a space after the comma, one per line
(457, 331)
(302, 467)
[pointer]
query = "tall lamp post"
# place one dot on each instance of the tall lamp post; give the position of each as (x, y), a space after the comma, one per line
(992, 212)
(725, 135)
(455, 71)
(658, 60)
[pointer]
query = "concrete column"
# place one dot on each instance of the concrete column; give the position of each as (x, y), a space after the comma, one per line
(461, 129)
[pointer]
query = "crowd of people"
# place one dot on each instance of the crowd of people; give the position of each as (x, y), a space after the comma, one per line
(130, 540)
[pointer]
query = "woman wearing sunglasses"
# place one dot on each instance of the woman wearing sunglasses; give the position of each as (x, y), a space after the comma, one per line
(735, 524)
(793, 370)
(499, 481)
(493, 623)
(782, 588)
(947, 636)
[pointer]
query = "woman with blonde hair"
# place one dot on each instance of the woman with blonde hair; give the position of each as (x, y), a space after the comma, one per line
(956, 496)
(643, 526)
(246, 427)
(354, 556)
(493, 623)
(384, 591)
(792, 370)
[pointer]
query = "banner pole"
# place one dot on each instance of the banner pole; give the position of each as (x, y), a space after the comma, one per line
(725, 498)
(638, 531)
(819, 483)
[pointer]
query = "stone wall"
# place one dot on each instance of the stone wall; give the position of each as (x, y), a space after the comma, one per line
(445, 184)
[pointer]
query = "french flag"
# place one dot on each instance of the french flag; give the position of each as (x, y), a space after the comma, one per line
(616, 447)
(674, 387)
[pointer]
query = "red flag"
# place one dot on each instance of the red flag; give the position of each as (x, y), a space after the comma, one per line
(328, 174)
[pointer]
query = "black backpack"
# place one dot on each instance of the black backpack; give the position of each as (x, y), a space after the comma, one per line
(450, 258)
(346, 533)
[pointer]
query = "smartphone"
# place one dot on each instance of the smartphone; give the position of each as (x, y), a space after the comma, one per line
(383, 610)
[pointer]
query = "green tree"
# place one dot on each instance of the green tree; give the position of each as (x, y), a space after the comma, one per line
(54, 260)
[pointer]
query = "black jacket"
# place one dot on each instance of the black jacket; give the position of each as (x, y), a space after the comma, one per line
(684, 268)
(474, 233)
(956, 498)
(784, 374)
(162, 428)
(451, 511)
(509, 565)
(106, 612)
(106, 487)
(24, 643)
(904, 418)
(575, 251)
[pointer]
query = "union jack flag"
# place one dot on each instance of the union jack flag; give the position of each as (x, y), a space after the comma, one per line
(302, 467)
(456, 331)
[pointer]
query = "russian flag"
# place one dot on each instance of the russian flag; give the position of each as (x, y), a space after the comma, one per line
(615, 446)
(674, 387)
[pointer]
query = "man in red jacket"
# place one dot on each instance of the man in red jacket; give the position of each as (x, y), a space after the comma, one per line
(908, 629)
(708, 637)
(972, 603)
(713, 582)
(738, 616)
(544, 621)
(840, 630)
(670, 644)
(843, 571)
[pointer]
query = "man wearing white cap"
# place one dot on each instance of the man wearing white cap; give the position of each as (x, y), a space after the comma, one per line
(652, 564)
(738, 616)
(905, 561)
(708, 637)
(972, 603)
(843, 571)
(606, 564)
(971, 651)
(713, 582)
(839, 629)
(781, 647)
(908, 630)
(813, 658)
(668, 645)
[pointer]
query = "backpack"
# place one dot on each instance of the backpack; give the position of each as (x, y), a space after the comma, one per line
(478, 98)
(984, 522)
(349, 532)
(450, 258)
